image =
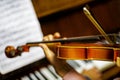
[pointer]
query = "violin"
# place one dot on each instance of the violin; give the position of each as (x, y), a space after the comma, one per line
(85, 48)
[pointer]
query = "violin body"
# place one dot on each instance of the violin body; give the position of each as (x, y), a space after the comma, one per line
(89, 51)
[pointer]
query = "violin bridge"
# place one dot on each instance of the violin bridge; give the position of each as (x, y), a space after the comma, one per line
(118, 61)
(117, 56)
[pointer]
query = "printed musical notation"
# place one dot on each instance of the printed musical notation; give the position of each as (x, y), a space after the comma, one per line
(18, 25)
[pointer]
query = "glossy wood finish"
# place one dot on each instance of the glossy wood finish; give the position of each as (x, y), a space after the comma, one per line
(47, 7)
(88, 51)
(73, 22)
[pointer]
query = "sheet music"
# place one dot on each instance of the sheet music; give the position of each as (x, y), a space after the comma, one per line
(18, 25)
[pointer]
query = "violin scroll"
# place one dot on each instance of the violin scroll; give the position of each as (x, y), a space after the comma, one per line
(11, 52)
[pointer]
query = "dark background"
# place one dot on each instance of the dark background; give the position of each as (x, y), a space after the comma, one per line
(71, 22)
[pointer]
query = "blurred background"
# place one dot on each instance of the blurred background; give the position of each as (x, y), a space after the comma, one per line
(67, 17)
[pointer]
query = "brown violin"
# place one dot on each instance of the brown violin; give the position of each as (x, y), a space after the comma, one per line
(89, 51)
(79, 47)
(75, 48)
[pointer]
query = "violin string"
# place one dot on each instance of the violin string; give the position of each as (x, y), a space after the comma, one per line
(92, 19)
(82, 39)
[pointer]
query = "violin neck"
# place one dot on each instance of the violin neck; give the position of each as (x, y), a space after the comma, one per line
(82, 39)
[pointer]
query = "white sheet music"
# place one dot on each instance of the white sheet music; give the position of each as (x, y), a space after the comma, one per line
(18, 25)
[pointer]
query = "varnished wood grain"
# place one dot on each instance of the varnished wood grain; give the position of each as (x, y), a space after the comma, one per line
(73, 22)
(47, 7)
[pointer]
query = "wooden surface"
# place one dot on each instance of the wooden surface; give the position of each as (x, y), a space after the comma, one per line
(73, 22)
(47, 7)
